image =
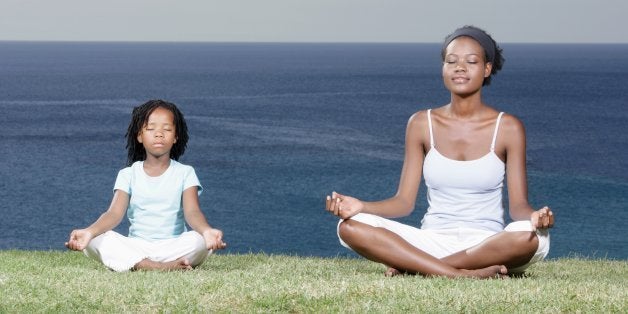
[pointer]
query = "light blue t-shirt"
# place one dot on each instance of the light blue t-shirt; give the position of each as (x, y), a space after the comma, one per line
(156, 207)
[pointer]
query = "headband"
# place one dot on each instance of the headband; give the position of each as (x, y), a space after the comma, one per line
(481, 37)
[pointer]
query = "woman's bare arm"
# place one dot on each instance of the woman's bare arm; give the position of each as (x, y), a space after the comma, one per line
(402, 203)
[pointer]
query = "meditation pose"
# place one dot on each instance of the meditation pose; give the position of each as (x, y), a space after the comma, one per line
(464, 151)
(159, 195)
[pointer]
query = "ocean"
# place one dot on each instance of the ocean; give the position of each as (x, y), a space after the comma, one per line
(276, 127)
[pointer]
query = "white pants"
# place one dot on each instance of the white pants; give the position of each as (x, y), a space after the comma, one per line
(444, 242)
(121, 253)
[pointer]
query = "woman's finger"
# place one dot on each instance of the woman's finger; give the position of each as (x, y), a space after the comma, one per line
(551, 219)
(534, 221)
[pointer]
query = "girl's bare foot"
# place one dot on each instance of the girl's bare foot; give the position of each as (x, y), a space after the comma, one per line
(392, 272)
(179, 264)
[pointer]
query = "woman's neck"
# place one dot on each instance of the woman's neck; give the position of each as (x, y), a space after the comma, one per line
(465, 107)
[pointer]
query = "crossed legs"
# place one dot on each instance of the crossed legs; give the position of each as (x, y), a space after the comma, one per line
(511, 249)
(490, 258)
(121, 253)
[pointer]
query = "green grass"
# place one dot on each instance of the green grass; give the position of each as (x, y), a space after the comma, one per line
(55, 281)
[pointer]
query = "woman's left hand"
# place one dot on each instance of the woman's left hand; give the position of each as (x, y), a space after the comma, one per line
(542, 218)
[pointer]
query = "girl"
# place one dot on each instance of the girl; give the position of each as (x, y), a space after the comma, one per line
(463, 150)
(158, 193)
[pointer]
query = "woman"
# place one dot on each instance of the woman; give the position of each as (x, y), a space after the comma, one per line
(463, 150)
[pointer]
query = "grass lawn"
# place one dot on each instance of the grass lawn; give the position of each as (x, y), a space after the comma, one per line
(60, 281)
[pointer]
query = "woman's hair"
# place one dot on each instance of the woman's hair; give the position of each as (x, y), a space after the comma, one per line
(139, 118)
(492, 52)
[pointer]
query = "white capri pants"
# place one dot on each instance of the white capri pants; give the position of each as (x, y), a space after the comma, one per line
(444, 242)
(120, 253)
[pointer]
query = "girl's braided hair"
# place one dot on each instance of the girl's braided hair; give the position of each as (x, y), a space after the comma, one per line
(139, 118)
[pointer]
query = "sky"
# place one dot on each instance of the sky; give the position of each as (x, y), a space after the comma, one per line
(524, 21)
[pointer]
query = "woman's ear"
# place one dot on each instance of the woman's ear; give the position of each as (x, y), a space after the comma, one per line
(488, 68)
(139, 137)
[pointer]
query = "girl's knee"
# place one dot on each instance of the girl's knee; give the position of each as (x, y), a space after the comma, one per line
(191, 242)
(198, 251)
(198, 241)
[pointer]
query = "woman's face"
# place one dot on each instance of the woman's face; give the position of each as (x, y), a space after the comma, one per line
(464, 68)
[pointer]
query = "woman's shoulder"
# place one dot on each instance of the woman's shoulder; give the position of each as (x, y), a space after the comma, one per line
(424, 115)
(418, 118)
(511, 131)
(511, 124)
(418, 128)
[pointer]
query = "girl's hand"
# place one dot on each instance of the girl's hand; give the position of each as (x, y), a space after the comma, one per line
(343, 206)
(542, 218)
(213, 239)
(79, 239)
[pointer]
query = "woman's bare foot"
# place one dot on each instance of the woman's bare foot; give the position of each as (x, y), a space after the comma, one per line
(179, 264)
(498, 271)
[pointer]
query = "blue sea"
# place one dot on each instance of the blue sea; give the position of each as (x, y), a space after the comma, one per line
(276, 127)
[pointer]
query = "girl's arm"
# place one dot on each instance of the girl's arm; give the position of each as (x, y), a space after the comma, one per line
(79, 238)
(196, 219)
(402, 203)
(516, 175)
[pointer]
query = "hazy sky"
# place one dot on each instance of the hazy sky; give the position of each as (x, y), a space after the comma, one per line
(558, 21)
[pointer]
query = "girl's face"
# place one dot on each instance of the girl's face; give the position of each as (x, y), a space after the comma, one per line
(158, 134)
(464, 68)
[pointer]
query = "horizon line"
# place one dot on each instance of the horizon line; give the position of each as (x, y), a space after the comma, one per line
(289, 42)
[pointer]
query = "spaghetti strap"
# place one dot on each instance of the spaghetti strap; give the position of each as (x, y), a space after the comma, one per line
(499, 117)
(429, 123)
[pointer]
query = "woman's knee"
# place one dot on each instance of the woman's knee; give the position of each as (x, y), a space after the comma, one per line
(349, 230)
(525, 242)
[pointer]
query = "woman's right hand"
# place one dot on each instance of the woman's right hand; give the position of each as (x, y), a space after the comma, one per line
(343, 206)
(79, 239)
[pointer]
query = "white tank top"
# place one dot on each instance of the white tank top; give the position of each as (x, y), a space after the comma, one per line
(463, 194)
